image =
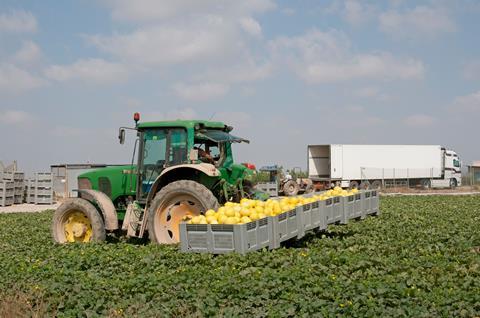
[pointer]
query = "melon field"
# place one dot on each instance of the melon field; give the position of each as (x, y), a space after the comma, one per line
(420, 258)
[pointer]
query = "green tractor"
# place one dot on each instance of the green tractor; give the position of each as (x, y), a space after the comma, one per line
(183, 169)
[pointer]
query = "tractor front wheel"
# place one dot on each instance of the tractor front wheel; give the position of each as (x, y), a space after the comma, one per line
(175, 201)
(77, 220)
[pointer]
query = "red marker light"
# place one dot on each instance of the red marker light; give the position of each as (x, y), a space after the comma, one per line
(250, 166)
(136, 117)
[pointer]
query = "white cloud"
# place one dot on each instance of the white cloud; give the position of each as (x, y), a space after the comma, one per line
(371, 92)
(157, 10)
(326, 57)
(248, 71)
(471, 70)
(251, 26)
(419, 120)
(29, 53)
(169, 45)
(239, 120)
(18, 21)
(200, 91)
(422, 21)
(467, 103)
(15, 117)
(15, 80)
(357, 13)
(89, 70)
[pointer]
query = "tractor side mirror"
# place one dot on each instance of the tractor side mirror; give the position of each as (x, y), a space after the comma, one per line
(193, 155)
(121, 136)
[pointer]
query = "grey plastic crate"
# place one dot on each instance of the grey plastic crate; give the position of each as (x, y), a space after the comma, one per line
(352, 206)
(334, 210)
(13, 176)
(40, 199)
(43, 192)
(43, 176)
(7, 189)
(18, 199)
(225, 238)
(367, 202)
(18, 191)
(6, 201)
(375, 203)
(288, 225)
(314, 216)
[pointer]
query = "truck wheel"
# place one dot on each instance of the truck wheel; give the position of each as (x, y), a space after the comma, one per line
(175, 201)
(353, 185)
(77, 220)
(377, 184)
(453, 183)
(365, 185)
(290, 188)
(309, 189)
(426, 184)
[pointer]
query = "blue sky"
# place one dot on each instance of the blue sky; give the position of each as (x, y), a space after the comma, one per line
(285, 74)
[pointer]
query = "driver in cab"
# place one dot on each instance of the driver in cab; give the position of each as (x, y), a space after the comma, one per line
(204, 155)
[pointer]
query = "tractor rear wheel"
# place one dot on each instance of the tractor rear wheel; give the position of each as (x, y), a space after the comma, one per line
(175, 201)
(77, 220)
(290, 188)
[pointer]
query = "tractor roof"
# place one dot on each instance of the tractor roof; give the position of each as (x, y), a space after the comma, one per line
(183, 123)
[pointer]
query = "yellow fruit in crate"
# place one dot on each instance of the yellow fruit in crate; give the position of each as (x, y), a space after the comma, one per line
(277, 209)
(222, 219)
(259, 209)
(244, 200)
(231, 220)
(261, 216)
(214, 222)
(253, 216)
(269, 211)
(260, 203)
(229, 212)
(237, 208)
(196, 220)
(209, 213)
(222, 210)
(238, 215)
(245, 219)
(229, 204)
(210, 219)
(245, 212)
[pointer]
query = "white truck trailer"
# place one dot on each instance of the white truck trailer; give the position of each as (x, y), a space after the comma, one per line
(376, 166)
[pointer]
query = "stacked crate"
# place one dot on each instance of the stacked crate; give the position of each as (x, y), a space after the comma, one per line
(40, 189)
(18, 179)
(7, 191)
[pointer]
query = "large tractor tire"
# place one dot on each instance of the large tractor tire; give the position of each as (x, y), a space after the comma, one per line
(290, 188)
(77, 220)
(174, 202)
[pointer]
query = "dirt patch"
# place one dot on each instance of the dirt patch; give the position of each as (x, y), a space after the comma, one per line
(29, 208)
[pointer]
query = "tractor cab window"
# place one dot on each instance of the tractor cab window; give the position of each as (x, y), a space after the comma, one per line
(209, 151)
(154, 156)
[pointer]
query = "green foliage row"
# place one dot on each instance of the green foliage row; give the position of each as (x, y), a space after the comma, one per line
(420, 258)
